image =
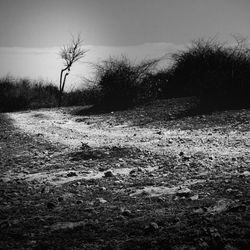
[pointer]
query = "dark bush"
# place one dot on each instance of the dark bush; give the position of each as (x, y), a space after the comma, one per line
(218, 74)
(123, 84)
(21, 94)
(86, 96)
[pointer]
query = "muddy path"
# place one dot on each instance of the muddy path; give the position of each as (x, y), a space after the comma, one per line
(148, 178)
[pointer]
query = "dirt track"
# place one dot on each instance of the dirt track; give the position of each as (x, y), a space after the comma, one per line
(148, 178)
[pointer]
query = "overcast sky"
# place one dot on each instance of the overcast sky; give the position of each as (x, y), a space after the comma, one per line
(46, 24)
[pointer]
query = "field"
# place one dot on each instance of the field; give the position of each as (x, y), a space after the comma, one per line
(154, 177)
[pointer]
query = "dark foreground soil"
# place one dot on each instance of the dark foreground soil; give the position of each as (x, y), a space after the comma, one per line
(165, 201)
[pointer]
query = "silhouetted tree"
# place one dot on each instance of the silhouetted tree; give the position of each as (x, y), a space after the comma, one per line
(70, 54)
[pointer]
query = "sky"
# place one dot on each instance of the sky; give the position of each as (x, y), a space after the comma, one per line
(32, 31)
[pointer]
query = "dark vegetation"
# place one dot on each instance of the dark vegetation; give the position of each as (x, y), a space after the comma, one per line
(21, 94)
(218, 74)
(125, 84)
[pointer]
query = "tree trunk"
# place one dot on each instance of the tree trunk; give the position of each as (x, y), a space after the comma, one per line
(61, 87)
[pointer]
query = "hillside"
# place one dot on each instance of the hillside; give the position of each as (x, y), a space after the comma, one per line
(155, 177)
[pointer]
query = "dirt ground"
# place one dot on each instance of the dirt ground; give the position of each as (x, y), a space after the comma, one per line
(153, 177)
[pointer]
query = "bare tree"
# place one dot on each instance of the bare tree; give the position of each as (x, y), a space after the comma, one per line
(70, 54)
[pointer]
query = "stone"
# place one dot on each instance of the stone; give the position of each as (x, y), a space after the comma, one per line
(102, 169)
(79, 202)
(51, 205)
(71, 174)
(194, 197)
(229, 247)
(101, 200)
(60, 199)
(181, 153)
(126, 212)
(133, 171)
(152, 227)
(109, 173)
(246, 173)
(184, 192)
(159, 133)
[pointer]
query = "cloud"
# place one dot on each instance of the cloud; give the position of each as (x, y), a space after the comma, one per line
(45, 63)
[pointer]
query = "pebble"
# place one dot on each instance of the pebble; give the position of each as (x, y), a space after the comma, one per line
(60, 199)
(194, 197)
(126, 212)
(51, 205)
(101, 200)
(79, 202)
(159, 133)
(185, 192)
(71, 174)
(152, 227)
(181, 153)
(109, 173)
(132, 172)
(246, 173)
(102, 169)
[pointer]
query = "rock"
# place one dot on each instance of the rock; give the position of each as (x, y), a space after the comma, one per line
(221, 205)
(51, 205)
(186, 158)
(214, 233)
(199, 211)
(101, 200)
(67, 225)
(102, 169)
(203, 244)
(79, 202)
(139, 169)
(109, 173)
(229, 247)
(133, 173)
(102, 189)
(238, 208)
(181, 153)
(60, 199)
(89, 209)
(152, 227)
(85, 146)
(120, 218)
(45, 190)
(246, 173)
(194, 197)
(126, 212)
(184, 192)
(159, 133)
(161, 199)
(71, 174)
